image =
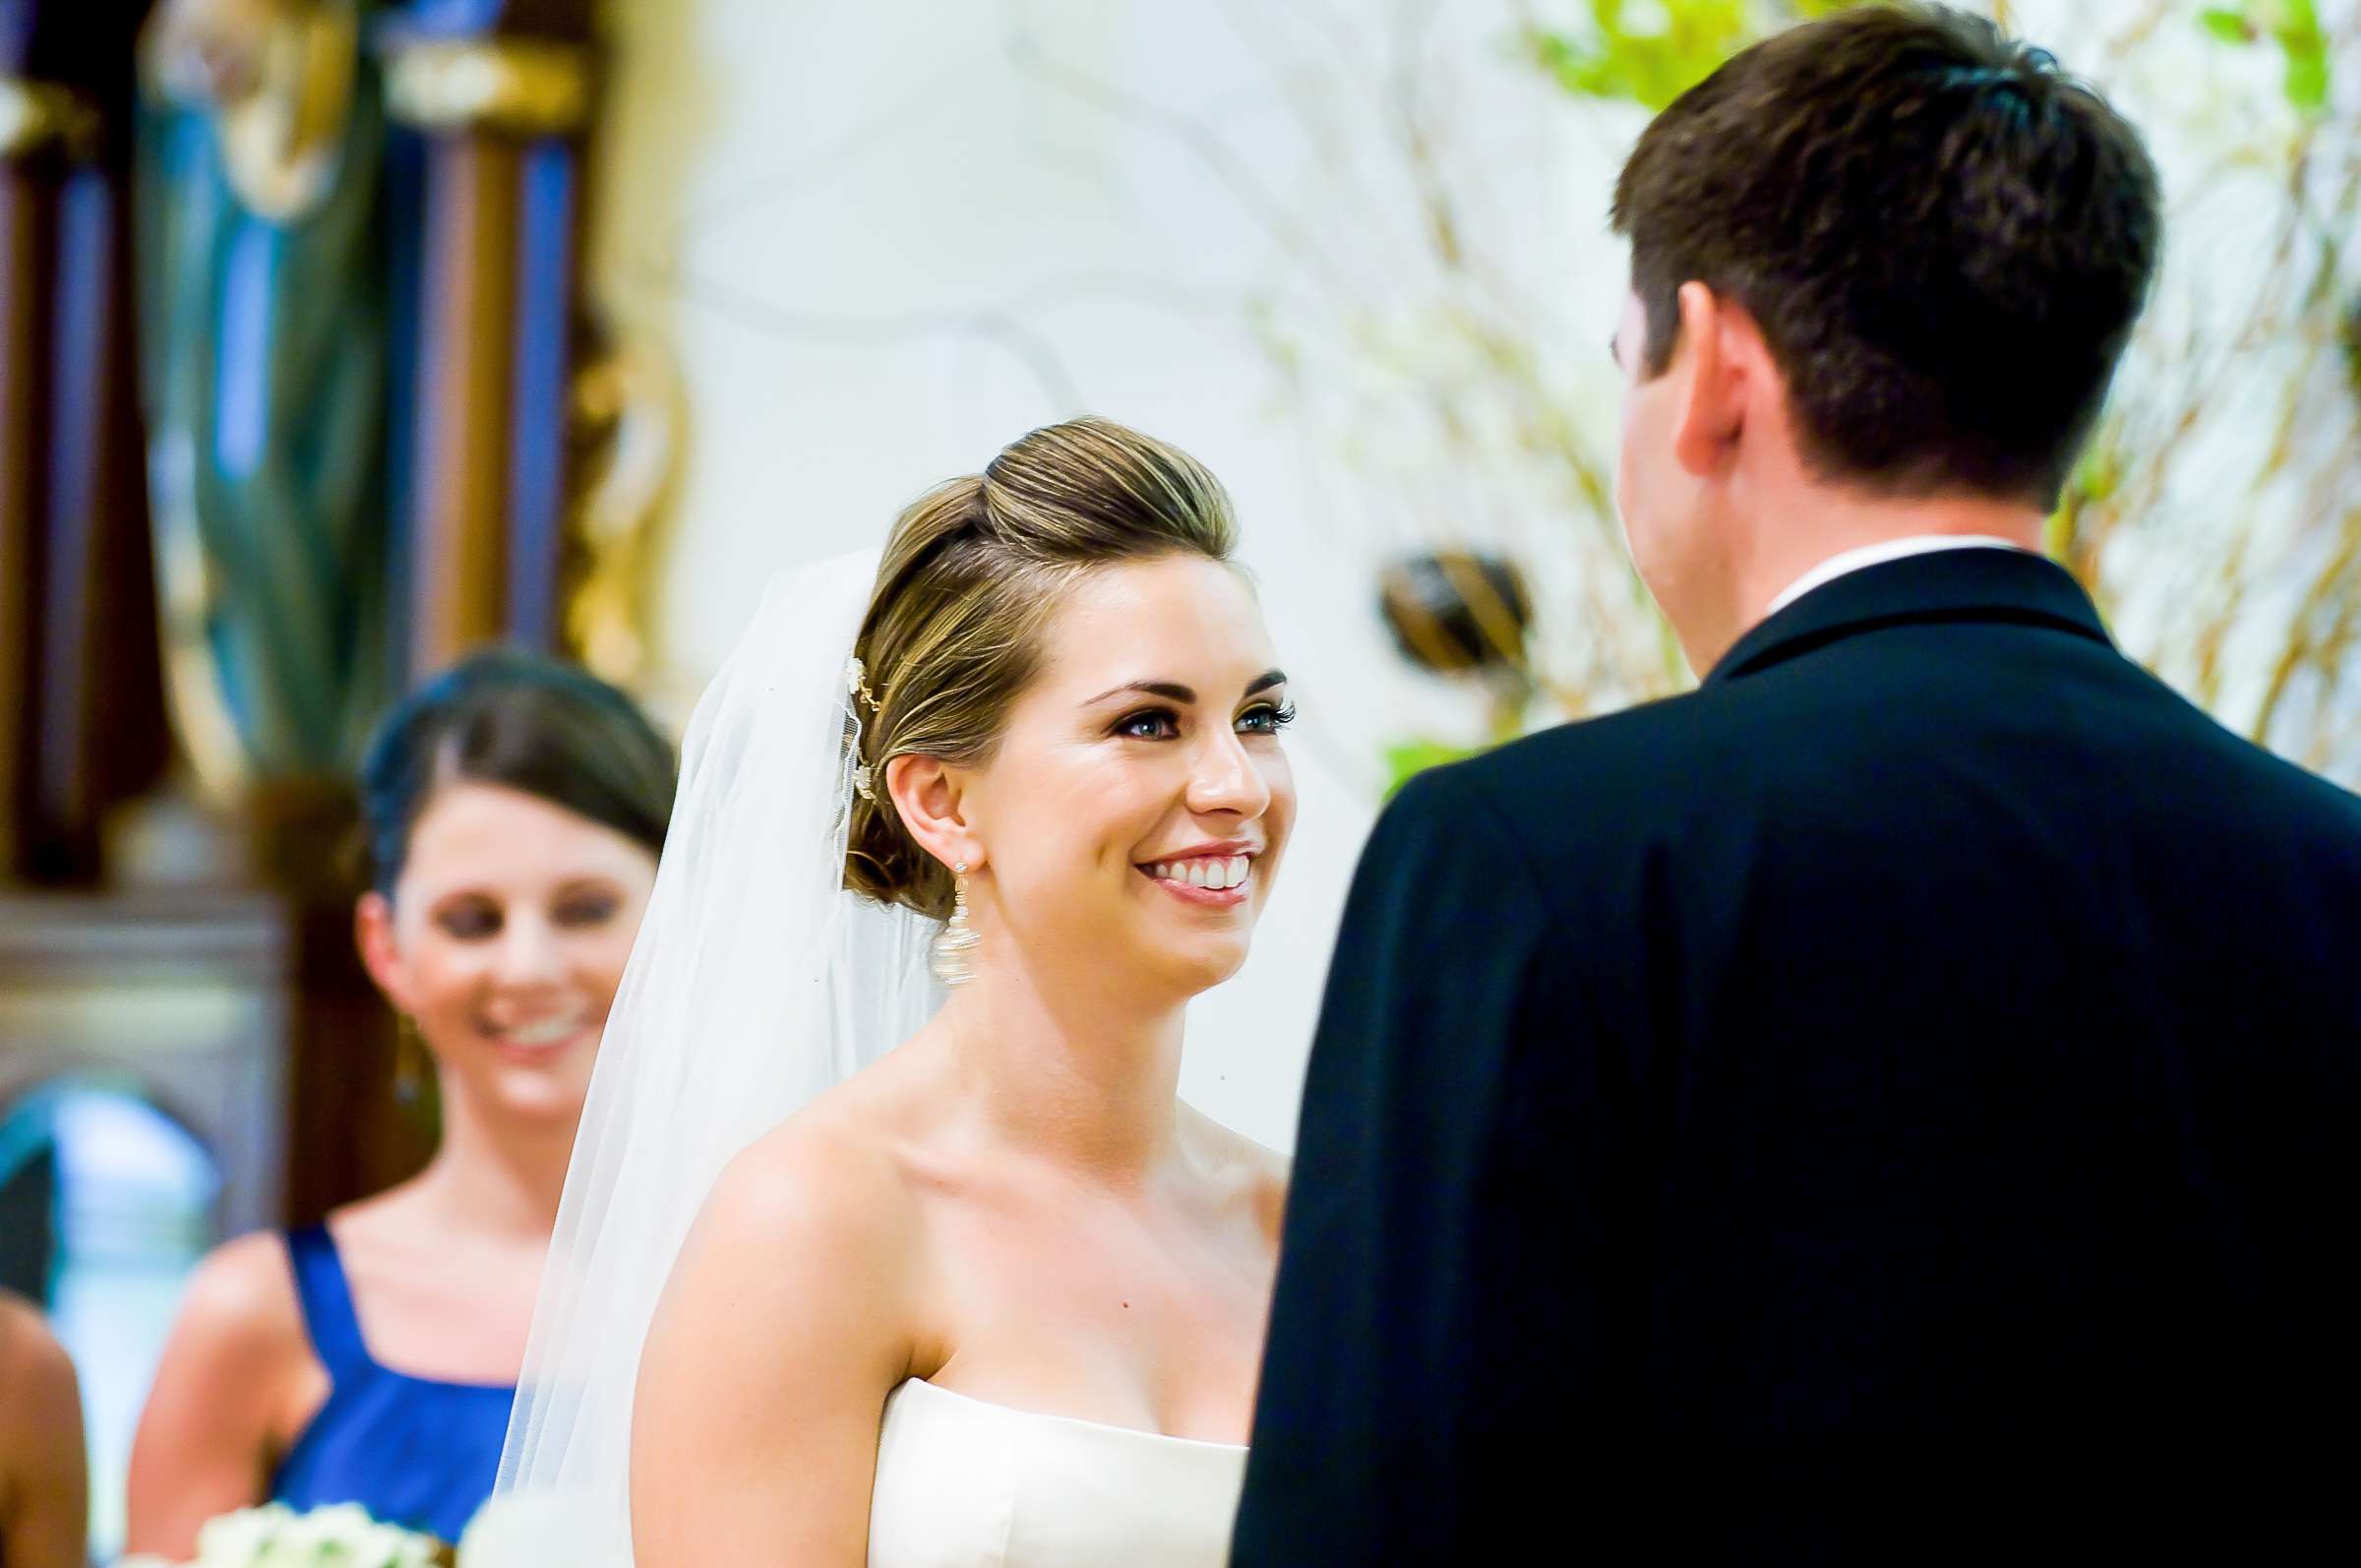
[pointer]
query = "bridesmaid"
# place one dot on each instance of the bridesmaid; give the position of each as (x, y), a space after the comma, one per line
(44, 1490)
(515, 808)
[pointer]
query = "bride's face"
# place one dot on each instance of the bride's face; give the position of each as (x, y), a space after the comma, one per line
(1137, 805)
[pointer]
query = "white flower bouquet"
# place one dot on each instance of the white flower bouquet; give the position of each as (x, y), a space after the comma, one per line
(274, 1535)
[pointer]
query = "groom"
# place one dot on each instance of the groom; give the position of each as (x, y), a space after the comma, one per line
(1904, 1097)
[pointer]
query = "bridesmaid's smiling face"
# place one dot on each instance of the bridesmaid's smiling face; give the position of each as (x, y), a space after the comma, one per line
(505, 939)
(1136, 808)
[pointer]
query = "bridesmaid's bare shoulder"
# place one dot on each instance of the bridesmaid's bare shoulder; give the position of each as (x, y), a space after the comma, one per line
(241, 1307)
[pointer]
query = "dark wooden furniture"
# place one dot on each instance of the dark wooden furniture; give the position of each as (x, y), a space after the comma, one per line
(80, 703)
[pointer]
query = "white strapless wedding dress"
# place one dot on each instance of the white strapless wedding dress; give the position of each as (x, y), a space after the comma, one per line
(964, 1483)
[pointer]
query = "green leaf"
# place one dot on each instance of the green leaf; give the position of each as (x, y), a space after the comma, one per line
(2308, 80)
(2232, 27)
(1406, 760)
(1652, 62)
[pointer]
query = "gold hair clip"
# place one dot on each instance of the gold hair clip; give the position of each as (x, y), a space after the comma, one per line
(856, 682)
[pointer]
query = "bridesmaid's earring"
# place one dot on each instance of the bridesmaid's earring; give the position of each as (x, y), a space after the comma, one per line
(954, 960)
(409, 1061)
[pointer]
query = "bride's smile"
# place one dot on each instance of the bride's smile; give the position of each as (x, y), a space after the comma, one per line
(1209, 877)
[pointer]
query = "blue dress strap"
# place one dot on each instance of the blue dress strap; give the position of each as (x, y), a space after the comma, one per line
(327, 1298)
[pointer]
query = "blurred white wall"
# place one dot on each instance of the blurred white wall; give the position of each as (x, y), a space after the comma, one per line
(881, 241)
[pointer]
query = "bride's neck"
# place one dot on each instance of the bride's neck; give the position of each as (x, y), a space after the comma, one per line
(1088, 1080)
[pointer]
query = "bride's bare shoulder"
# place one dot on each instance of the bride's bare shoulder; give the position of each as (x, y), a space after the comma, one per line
(833, 1176)
(1255, 1174)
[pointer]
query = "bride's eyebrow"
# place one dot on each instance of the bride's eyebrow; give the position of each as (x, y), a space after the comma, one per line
(1170, 690)
(1186, 697)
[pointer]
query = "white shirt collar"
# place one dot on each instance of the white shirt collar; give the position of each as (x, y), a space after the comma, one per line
(1848, 562)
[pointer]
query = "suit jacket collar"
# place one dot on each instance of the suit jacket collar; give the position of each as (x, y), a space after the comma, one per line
(2003, 585)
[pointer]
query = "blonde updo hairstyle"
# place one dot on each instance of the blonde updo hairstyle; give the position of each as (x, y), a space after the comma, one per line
(973, 573)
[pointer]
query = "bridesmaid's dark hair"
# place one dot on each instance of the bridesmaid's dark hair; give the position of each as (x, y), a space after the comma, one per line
(522, 722)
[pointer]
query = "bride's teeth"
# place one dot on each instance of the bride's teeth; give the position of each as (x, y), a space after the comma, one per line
(1214, 874)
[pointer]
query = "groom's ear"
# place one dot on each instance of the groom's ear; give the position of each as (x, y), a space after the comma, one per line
(929, 796)
(1723, 360)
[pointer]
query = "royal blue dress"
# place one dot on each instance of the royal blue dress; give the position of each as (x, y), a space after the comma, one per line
(412, 1451)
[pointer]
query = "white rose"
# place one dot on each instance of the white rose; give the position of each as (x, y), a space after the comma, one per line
(345, 1535)
(239, 1539)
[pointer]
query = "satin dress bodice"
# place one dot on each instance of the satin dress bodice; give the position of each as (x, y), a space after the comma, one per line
(965, 1483)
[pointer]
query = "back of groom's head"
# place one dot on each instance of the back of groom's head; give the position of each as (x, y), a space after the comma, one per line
(1944, 241)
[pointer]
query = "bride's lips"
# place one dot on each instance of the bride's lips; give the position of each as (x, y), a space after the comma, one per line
(1209, 877)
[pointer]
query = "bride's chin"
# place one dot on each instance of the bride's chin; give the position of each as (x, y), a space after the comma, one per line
(1203, 966)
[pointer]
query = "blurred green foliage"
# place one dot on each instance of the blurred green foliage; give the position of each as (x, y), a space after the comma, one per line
(1649, 52)
(2294, 27)
(1652, 52)
(1404, 760)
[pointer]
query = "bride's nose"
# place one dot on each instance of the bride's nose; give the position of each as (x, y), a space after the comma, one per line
(1226, 779)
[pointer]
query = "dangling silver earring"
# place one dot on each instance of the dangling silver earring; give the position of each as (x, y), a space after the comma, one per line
(952, 959)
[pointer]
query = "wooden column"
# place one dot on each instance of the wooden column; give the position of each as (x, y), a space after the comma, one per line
(81, 705)
(501, 93)
(26, 231)
(459, 555)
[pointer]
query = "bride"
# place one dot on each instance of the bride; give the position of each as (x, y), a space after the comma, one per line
(993, 1296)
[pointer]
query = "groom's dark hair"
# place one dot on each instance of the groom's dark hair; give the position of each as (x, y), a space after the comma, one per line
(1944, 240)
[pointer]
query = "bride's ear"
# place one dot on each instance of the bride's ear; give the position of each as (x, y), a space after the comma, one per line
(929, 796)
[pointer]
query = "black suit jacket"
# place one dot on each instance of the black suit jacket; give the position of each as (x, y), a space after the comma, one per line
(1901, 1093)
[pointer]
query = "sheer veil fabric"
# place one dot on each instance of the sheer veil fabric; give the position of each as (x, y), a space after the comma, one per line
(758, 982)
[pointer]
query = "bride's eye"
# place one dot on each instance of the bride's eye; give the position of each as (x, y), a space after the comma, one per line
(1149, 724)
(1267, 719)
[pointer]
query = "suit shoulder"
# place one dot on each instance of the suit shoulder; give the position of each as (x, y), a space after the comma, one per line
(2269, 784)
(2319, 813)
(1625, 759)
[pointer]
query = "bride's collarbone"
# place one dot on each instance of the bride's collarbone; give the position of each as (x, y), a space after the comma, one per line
(1131, 1337)
(1092, 1250)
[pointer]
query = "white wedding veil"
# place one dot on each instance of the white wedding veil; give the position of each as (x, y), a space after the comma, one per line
(757, 983)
